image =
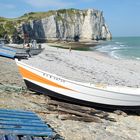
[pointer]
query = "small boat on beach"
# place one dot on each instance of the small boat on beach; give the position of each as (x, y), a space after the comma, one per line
(6, 51)
(15, 52)
(79, 92)
(22, 52)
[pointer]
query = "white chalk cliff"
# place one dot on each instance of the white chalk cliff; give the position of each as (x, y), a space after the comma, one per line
(69, 25)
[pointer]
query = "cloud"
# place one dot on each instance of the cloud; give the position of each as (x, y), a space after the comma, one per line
(7, 6)
(49, 3)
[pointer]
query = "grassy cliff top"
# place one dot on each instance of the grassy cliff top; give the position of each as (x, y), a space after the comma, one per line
(8, 25)
(3, 19)
(40, 15)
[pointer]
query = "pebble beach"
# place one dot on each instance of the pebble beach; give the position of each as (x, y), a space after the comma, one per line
(76, 65)
(87, 66)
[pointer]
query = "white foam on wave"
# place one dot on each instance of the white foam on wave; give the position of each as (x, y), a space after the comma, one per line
(118, 50)
(137, 58)
(108, 48)
(115, 55)
(118, 43)
(122, 45)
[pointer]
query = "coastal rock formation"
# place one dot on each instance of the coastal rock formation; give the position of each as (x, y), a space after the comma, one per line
(63, 24)
(69, 25)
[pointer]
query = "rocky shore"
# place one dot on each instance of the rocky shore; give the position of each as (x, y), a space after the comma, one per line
(81, 45)
(14, 95)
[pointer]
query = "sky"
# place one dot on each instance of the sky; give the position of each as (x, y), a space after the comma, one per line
(121, 16)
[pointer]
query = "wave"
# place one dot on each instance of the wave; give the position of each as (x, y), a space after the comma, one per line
(115, 55)
(122, 45)
(120, 49)
(107, 48)
(137, 58)
(118, 43)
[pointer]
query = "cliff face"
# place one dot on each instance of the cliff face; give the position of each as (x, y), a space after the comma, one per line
(69, 25)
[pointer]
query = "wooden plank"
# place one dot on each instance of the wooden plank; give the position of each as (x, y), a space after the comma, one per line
(20, 117)
(2, 137)
(11, 137)
(50, 138)
(23, 123)
(18, 120)
(16, 111)
(37, 138)
(84, 115)
(14, 114)
(27, 132)
(26, 138)
(18, 127)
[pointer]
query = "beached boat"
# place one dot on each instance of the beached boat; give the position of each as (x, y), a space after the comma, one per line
(7, 52)
(13, 52)
(22, 52)
(78, 92)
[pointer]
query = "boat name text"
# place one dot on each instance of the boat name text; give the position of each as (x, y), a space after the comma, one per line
(53, 77)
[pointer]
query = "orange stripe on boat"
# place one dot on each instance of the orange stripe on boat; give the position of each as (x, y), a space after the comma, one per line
(30, 75)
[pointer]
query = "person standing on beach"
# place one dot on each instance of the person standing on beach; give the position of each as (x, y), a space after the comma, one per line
(34, 44)
(69, 48)
(28, 50)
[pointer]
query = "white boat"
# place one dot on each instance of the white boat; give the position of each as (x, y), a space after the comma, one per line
(78, 92)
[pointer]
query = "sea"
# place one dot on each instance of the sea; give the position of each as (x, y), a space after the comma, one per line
(121, 48)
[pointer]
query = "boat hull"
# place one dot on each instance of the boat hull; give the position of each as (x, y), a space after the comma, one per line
(39, 89)
(81, 93)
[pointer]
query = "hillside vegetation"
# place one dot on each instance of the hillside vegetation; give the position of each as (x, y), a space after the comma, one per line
(8, 25)
(39, 15)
